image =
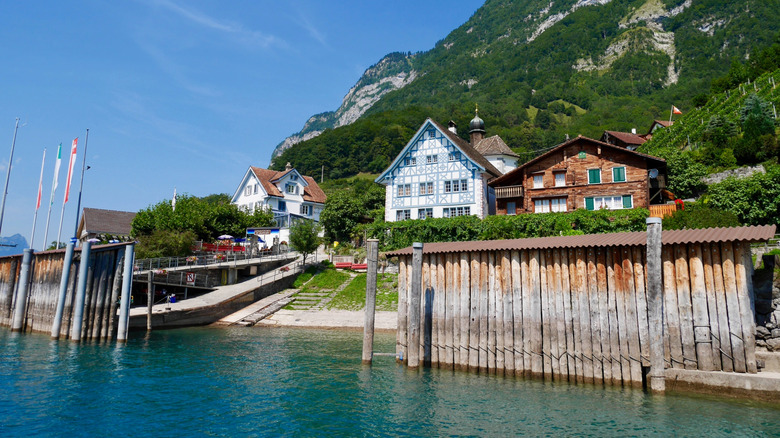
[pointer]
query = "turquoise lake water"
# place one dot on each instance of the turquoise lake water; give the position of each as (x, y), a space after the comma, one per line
(294, 382)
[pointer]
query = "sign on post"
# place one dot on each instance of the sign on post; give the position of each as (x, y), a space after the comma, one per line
(190, 278)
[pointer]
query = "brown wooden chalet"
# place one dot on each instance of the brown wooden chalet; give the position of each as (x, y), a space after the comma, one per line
(581, 173)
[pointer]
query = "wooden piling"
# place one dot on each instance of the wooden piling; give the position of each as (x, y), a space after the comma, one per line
(414, 306)
(372, 255)
(657, 378)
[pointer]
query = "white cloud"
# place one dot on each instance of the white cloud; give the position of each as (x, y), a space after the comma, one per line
(236, 30)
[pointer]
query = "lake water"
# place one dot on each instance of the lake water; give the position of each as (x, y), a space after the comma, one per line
(294, 382)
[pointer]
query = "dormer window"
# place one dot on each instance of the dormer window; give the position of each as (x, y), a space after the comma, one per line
(291, 189)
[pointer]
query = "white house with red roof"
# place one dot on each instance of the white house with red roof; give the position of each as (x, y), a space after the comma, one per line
(287, 193)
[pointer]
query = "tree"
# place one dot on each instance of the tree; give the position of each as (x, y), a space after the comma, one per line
(304, 237)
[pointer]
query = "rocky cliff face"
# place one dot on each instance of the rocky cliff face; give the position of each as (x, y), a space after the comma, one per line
(394, 71)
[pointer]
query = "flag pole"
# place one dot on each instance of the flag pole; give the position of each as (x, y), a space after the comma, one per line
(38, 201)
(53, 191)
(81, 186)
(71, 163)
(671, 111)
(8, 174)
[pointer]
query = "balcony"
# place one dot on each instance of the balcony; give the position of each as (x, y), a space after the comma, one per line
(509, 192)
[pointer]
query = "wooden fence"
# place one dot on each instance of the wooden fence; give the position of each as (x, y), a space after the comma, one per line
(103, 283)
(580, 313)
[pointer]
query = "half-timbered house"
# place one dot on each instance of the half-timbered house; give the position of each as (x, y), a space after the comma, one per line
(438, 174)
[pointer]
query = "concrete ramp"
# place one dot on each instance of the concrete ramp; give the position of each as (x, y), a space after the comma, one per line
(251, 314)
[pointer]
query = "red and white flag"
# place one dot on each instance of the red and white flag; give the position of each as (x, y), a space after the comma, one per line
(676, 110)
(40, 183)
(71, 164)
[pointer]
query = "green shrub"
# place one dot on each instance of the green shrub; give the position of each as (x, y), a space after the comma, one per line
(700, 215)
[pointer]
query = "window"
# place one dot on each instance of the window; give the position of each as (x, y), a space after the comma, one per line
(458, 185)
(431, 133)
(402, 215)
(457, 211)
(619, 174)
(424, 213)
(426, 188)
(305, 210)
(432, 159)
(454, 156)
(560, 179)
(294, 177)
(291, 188)
(256, 188)
(410, 161)
(247, 191)
(511, 208)
(538, 181)
(609, 202)
(282, 205)
(549, 205)
(404, 190)
(594, 176)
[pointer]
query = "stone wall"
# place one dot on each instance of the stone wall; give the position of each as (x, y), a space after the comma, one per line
(766, 283)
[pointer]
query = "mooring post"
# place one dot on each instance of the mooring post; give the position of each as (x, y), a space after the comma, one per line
(124, 303)
(66, 262)
(413, 344)
(655, 305)
(21, 292)
(372, 254)
(149, 298)
(81, 292)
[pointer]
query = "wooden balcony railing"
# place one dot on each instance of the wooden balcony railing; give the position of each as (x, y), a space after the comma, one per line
(509, 192)
(662, 210)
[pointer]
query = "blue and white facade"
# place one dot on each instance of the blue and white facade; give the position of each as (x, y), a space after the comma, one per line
(437, 174)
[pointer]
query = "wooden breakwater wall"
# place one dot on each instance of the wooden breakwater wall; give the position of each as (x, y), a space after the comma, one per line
(103, 284)
(576, 307)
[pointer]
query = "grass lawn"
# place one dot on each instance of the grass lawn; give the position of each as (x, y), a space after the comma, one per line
(328, 279)
(353, 297)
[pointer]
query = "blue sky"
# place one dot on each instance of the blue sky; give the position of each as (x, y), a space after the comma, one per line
(176, 93)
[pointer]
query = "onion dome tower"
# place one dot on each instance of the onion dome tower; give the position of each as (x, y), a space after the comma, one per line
(476, 128)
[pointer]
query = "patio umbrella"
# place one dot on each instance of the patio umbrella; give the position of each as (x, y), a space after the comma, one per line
(225, 237)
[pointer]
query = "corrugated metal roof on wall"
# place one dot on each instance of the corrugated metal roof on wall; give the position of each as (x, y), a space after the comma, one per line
(669, 237)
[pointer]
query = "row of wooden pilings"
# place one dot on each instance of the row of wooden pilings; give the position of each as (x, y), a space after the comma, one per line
(72, 294)
(605, 313)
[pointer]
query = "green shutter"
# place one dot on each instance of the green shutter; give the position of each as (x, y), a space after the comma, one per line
(627, 201)
(589, 204)
(594, 176)
(618, 174)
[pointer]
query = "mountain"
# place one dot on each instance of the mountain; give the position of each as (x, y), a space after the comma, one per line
(540, 70)
(394, 71)
(13, 245)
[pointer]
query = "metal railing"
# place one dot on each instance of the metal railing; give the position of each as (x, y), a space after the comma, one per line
(203, 260)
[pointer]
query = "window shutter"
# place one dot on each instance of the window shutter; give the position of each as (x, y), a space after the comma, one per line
(627, 201)
(589, 204)
(594, 176)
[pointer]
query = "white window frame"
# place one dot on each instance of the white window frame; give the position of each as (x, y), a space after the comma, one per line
(625, 177)
(306, 210)
(402, 215)
(551, 205)
(248, 191)
(538, 181)
(404, 190)
(560, 179)
(424, 213)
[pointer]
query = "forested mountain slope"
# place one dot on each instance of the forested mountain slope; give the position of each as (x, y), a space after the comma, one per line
(541, 69)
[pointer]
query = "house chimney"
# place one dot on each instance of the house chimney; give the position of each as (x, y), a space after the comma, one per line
(633, 131)
(453, 127)
(288, 166)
